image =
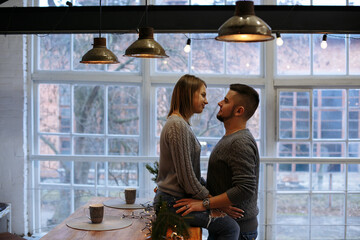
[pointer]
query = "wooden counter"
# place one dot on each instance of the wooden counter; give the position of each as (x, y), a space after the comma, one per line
(62, 231)
(133, 232)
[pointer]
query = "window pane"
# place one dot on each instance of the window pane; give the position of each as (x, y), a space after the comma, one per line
(124, 110)
(289, 149)
(207, 2)
(354, 149)
(354, 113)
(55, 207)
(178, 60)
(124, 146)
(123, 174)
(84, 173)
(354, 2)
(47, 3)
(207, 146)
(53, 144)
(254, 123)
(203, 60)
(118, 43)
(354, 54)
(89, 146)
(286, 232)
(82, 197)
(292, 208)
(328, 177)
(352, 232)
(293, 57)
(294, 115)
(206, 124)
(330, 2)
(292, 176)
(353, 177)
(327, 232)
(329, 114)
(54, 52)
(123, 2)
(101, 174)
(89, 109)
(328, 149)
(293, 2)
(331, 60)
(55, 171)
(353, 210)
(172, 2)
(243, 58)
(327, 209)
(163, 99)
(82, 44)
(87, 2)
(54, 109)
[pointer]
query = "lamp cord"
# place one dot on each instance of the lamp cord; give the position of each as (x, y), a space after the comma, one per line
(100, 21)
(146, 13)
(146, 17)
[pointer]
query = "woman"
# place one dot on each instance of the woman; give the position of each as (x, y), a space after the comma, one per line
(179, 166)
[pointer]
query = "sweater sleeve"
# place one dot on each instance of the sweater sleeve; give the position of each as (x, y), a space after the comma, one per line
(180, 144)
(242, 161)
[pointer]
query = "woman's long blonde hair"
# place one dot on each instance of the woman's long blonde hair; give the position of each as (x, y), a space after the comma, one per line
(182, 96)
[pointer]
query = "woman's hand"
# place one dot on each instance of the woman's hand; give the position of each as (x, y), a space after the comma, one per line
(233, 212)
(188, 205)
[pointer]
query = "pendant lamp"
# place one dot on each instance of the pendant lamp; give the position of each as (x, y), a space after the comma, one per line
(99, 54)
(244, 26)
(145, 46)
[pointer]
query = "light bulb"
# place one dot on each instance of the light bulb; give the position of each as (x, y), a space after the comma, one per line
(187, 48)
(323, 44)
(279, 40)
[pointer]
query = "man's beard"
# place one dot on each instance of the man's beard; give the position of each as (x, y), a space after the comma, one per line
(222, 118)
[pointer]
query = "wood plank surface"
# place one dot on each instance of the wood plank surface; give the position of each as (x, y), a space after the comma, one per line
(133, 232)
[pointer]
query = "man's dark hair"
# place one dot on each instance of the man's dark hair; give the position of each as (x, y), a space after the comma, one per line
(249, 98)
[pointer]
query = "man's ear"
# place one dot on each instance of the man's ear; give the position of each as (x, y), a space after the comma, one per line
(239, 111)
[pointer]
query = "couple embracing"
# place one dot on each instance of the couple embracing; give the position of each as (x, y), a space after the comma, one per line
(226, 204)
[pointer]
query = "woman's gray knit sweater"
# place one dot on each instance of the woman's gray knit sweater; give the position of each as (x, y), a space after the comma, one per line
(179, 166)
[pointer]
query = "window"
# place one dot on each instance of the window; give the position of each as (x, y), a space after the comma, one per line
(95, 127)
(319, 189)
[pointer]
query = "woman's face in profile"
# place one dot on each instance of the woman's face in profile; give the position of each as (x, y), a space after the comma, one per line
(199, 100)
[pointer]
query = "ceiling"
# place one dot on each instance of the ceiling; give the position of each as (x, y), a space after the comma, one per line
(174, 19)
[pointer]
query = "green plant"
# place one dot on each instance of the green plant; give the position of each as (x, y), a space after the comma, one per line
(166, 219)
(153, 170)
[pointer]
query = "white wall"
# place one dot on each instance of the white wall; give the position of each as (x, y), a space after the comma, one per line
(12, 156)
(13, 170)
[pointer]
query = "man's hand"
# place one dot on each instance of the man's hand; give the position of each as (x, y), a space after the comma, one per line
(188, 205)
(233, 212)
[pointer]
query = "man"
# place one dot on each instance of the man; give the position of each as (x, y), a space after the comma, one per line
(233, 171)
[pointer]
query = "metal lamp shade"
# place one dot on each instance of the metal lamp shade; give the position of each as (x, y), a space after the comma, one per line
(145, 46)
(244, 26)
(99, 54)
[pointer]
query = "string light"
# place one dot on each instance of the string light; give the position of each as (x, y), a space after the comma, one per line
(279, 40)
(323, 44)
(187, 48)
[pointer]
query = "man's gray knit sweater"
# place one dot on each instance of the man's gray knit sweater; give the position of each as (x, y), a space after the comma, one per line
(179, 168)
(234, 169)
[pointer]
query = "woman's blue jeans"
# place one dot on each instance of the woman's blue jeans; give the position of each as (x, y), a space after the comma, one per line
(221, 228)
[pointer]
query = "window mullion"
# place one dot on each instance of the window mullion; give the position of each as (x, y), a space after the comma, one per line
(106, 120)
